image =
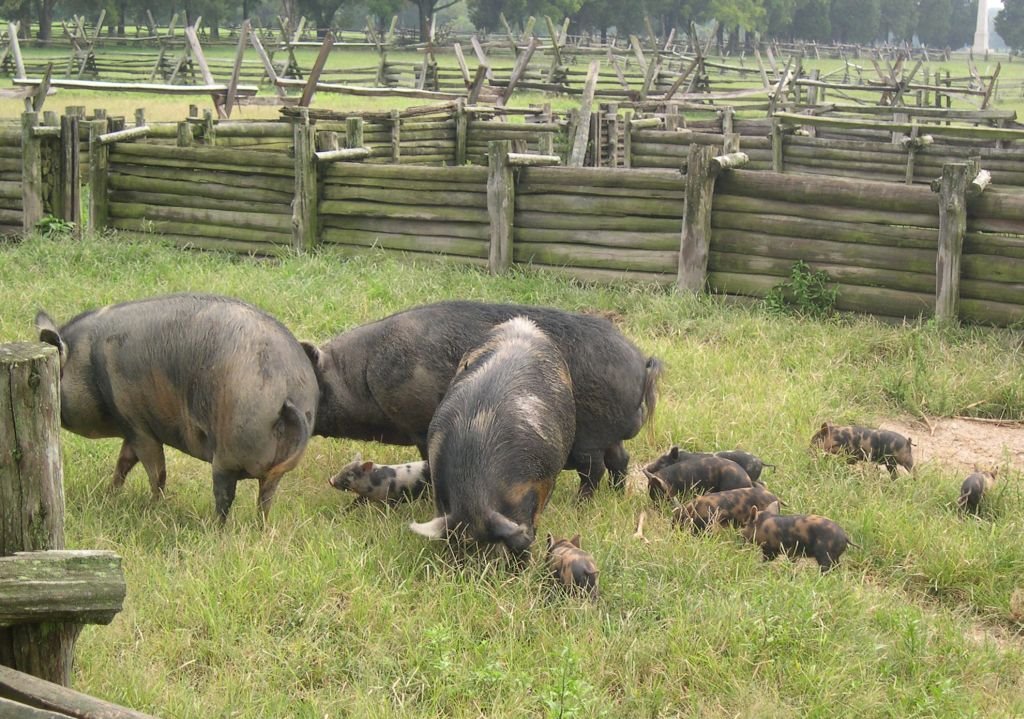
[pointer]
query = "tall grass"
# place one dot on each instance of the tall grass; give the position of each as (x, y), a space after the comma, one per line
(336, 612)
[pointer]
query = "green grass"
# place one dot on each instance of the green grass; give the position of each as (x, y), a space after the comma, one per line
(329, 612)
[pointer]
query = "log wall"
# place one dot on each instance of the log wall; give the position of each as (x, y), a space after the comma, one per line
(424, 211)
(10, 179)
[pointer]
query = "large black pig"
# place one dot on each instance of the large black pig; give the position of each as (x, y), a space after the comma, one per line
(499, 438)
(383, 381)
(211, 376)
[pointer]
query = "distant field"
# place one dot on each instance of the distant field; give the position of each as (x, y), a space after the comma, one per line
(330, 613)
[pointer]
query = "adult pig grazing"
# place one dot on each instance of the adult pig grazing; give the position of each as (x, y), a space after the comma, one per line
(864, 443)
(797, 534)
(383, 381)
(211, 376)
(500, 437)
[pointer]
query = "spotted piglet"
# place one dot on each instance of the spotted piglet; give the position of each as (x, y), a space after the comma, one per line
(572, 567)
(730, 507)
(699, 474)
(863, 443)
(973, 488)
(392, 483)
(796, 534)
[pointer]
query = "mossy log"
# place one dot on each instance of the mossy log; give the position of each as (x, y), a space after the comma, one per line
(460, 230)
(236, 218)
(197, 242)
(10, 190)
(587, 274)
(527, 187)
(583, 223)
(996, 205)
(82, 586)
(980, 243)
(822, 155)
(166, 189)
(991, 267)
(835, 192)
(201, 231)
(414, 243)
(664, 241)
(406, 255)
(122, 161)
(475, 175)
(407, 212)
(664, 137)
(985, 289)
(861, 233)
(336, 176)
(1002, 314)
(48, 699)
(203, 179)
(840, 253)
(655, 161)
(579, 255)
(444, 198)
(601, 177)
(813, 144)
(823, 211)
(872, 172)
(590, 205)
(842, 273)
(198, 202)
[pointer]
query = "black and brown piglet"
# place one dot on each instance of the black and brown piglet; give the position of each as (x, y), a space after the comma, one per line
(699, 474)
(863, 443)
(573, 568)
(796, 534)
(391, 483)
(729, 507)
(974, 488)
(752, 464)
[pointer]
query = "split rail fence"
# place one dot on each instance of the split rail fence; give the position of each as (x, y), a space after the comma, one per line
(949, 248)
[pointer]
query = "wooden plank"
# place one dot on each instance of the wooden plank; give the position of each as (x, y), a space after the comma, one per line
(243, 41)
(80, 586)
(579, 144)
(310, 87)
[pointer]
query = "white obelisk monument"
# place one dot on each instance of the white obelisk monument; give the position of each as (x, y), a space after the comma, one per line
(981, 31)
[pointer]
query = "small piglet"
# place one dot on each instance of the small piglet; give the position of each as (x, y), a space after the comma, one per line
(572, 567)
(390, 483)
(973, 488)
(730, 507)
(752, 464)
(864, 443)
(797, 534)
(700, 474)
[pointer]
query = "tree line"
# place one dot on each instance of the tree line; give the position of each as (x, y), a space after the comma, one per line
(937, 23)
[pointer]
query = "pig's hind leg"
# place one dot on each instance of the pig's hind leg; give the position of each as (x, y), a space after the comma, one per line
(591, 468)
(125, 461)
(224, 484)
(616, 459)
(150, 452)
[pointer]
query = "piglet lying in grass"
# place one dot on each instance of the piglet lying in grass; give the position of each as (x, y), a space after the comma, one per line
(730, 507)
(572, 567)
(390, 483)
(863, 443)
(796, 534)
(752, 464)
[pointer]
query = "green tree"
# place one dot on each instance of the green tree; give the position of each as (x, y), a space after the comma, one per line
(426, 9)
(778, 17)
(898, 18)
(1010, 24)
(962, 23)
(855, 20)
(933, 23)
(811, 20)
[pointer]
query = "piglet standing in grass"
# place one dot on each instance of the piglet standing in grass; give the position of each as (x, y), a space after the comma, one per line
(796, 534)
(573, 568)
(863, 443)
(499, 437)
(973, 489)
(391, 483)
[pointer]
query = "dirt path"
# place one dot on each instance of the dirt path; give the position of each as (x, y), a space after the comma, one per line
(965, 443)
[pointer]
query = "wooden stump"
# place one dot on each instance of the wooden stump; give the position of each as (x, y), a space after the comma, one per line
(32, 495)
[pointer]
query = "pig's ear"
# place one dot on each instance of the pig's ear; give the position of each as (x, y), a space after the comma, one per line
(358, 457)
(49, 334)
(366, 466)
(674, 452)
(825, 426)
(754, 511)
(313, 352)
(575, 541)
(657, 481)
(772, 508)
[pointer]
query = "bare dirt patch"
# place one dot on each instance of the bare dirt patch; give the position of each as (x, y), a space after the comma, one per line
(960, 443)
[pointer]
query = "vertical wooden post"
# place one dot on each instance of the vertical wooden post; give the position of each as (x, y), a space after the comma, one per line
(613, 134)
(71, 209)
(461, 131)
(952, 227)
(396, 136)
(578, 149)
(98, 165)
(32, 495)
(140, 117)
(304, 206)
(627, 140)
(184, 134)
(500, 205)
(778, 164)
(209, 129)
(31, 173)
(353, 132)
(695, 241)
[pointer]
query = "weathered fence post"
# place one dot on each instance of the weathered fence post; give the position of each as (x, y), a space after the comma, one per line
(500, 205)
(627, 140)
(353, 132)
(98, 167)
(952, 189)
(778, 164)
(185, 136)
(395, 118)
(461, 132)
(695, 240)
(32, 495)
(70, 198)
(31, 173)
(304, 205)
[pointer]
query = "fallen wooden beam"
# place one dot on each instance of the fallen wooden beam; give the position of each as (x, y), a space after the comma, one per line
(157, 88)
(34, 692)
